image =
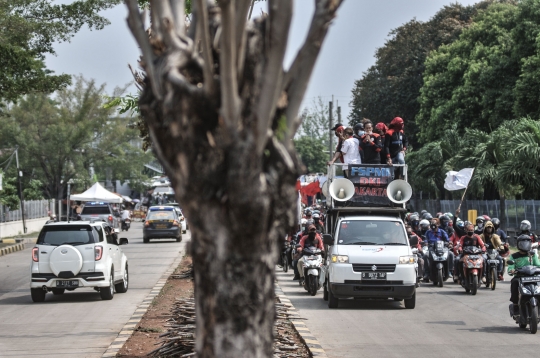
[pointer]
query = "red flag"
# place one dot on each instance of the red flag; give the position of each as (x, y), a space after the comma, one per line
(311, 189)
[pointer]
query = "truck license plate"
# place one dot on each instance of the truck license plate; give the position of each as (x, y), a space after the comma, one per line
(373, 275)
(72, 283)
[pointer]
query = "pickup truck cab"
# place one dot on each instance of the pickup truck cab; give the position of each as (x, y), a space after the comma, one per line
(369, 257)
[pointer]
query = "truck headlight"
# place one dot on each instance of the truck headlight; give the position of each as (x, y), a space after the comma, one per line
(409, 259)
(342, 259)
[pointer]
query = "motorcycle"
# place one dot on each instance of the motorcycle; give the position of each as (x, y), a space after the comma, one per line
(438, 263)
(473, 266)
(313, 270)
(491, 269)
(529, 294)
(126, 224)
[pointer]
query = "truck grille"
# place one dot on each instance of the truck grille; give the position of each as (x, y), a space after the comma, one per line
(370, 268)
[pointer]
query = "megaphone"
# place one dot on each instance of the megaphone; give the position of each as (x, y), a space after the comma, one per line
(341, 189)
(324, 189)
(399, 191)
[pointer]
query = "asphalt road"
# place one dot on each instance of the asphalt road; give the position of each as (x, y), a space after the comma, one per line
(446, 322)
(78, 323)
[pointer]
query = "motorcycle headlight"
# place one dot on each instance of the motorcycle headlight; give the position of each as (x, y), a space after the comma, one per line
(537, 290)
(525, 290)
(409, 259)
(342, 259)
(445, 255)
(470, 264)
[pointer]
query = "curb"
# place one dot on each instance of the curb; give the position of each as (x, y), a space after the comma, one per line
(11, 249)
(312, 344)
(131, 324)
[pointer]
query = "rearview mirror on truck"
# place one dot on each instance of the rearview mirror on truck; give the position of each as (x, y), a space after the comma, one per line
(328, 239)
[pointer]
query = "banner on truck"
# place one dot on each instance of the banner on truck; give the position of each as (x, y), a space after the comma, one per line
(370, 183)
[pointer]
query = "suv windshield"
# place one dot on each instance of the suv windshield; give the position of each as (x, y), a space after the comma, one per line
(96, 210)
(373, 232)
(161, 215)
(60, 235)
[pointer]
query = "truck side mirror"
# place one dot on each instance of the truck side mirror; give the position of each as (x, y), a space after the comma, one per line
(328, 239)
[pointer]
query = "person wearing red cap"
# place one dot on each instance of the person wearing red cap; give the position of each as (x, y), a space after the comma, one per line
(395, 142)
(311, 239)
(381, 129)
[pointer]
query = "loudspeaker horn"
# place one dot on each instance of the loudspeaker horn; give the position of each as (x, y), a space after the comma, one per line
(324, 189)
(399, 191)
(341, 189)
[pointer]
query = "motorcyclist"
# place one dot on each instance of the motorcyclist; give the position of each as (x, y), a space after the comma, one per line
(311, 239)
(502, 234)
(525, 228)
(433, 235)
(471, 239)
(492, 240)
(414, 221)
(521, 258)
(424, 227)
(479, 229)
(445, 221)
(427, 216)
(460, 230)
(317, 222)
(410, 234)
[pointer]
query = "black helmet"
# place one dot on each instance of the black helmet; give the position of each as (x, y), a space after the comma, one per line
(496, 222)
(480, 220)
(524, 243)
(358, 127)
(427, 216)
(423, 212)
(444, 219)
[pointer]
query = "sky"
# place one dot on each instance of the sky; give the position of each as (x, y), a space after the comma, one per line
(361, 26)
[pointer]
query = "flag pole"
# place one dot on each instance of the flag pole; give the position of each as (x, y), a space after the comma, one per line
(465, 192)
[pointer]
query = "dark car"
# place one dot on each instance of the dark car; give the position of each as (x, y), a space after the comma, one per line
(162, 222)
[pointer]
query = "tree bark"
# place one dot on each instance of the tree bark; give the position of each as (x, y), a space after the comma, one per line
(223, 133)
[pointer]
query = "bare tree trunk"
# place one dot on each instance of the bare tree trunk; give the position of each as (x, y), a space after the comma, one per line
(221, 113)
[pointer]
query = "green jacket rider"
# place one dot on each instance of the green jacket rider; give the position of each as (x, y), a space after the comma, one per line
(521, 258)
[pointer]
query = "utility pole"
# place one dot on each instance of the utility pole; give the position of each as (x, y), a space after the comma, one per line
(339, 114)
(19, 176)
(331, 135)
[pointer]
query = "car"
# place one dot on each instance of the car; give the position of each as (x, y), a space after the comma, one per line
(78, 254)
(183, 220)
(100, 210)
(162, 222)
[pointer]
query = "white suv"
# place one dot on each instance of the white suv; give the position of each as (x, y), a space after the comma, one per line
(78, 254)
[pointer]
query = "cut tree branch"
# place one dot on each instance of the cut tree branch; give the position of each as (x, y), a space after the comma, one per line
(296, 80)
(178, 8)
(230, 101)
(277, 32)
(204, 35)
(242, 8)
(136, 26)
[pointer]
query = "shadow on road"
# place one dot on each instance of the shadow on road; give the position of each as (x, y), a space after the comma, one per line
(69, 297)
(497, 329)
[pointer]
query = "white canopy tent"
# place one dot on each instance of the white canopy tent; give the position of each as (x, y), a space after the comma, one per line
(97, 193)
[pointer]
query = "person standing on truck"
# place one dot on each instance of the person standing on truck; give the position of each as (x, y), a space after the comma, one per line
(338, 131)
(371, 145)
(350, 150)
(311, 239)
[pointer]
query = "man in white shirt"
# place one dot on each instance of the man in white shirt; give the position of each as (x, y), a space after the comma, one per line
(350, 150)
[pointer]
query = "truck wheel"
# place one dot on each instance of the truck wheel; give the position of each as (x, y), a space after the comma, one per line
(333, 302)
(410, 303)
(38, 294)
(107, 293)
(146, 240)
(179, 239)
(325, 292)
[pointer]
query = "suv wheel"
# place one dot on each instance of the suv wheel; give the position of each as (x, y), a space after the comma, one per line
(107, 293)
(38, 294)
(122, 287)
(57, 291)
(146, 240)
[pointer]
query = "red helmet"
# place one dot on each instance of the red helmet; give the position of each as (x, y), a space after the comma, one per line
(486, 217)
(382, 127)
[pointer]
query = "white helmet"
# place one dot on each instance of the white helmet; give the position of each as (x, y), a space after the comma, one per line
(303, 221)
(525, 225)
(424, 224)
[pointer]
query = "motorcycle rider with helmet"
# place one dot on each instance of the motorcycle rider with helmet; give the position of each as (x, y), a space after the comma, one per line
(470, 239)
(411, 233)
(433, 235)
(424, 227)
(414, 221)
(492, 240)
(479, 229)
(525, 228)
(502, 234)
(311, 239)
(521, 258)
(317, 222)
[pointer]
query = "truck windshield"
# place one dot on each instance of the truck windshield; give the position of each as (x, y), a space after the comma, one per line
(374, 232)
(62, 235)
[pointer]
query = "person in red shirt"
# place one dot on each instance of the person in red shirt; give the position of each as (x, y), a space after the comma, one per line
(470, 239)
(311, 239)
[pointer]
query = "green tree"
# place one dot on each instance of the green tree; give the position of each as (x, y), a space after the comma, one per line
(29, 29)
(8, 194)
(392, 86)
(312, 153)
(62, 138)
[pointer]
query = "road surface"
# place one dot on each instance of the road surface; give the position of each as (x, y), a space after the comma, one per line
(445, 323)
(78, 323)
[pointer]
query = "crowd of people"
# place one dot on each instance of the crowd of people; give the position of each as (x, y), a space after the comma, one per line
(370, 144)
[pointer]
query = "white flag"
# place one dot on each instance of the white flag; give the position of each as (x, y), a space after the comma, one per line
(458, 180)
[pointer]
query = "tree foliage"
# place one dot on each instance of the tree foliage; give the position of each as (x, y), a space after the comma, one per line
(61, 138)
(29, 30)
(312, 153)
